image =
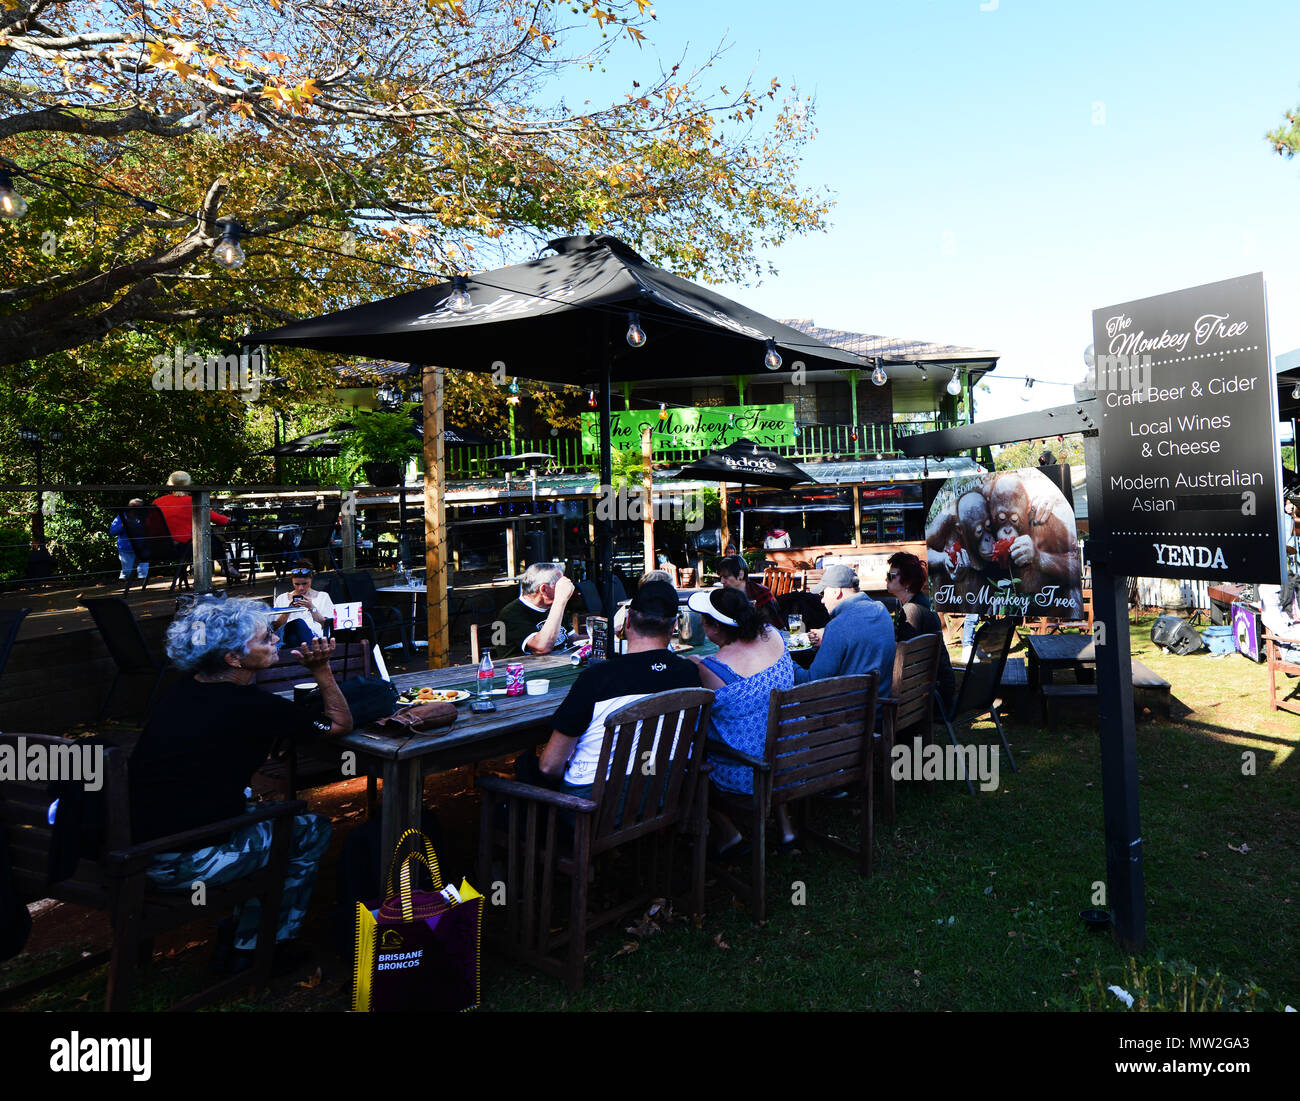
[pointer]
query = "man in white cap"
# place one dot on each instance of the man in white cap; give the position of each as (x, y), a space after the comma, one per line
(859, 637)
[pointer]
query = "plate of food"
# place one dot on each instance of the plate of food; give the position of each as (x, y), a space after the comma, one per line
(433, 695)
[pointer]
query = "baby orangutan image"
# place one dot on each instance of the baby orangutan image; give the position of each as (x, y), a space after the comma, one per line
(1005, 541)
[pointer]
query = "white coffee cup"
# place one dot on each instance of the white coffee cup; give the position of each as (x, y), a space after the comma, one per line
(537, 687)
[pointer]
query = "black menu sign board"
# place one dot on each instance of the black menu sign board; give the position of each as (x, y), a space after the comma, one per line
(1188, 432)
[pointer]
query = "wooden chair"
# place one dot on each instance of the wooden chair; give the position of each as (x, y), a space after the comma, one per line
(910, 703)
(981, 685)
(113, 879)
(819, 738)
(351, 659)
(1277, 663)
(126, 646)
(810, 578)
(778, 579)
(662, 793)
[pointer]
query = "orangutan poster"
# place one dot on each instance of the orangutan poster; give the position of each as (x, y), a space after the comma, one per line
(1004, 544)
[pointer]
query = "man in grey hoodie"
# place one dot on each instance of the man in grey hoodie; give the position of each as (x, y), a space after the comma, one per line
(859, 637)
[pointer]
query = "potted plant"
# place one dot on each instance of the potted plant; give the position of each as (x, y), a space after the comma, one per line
(380, 444)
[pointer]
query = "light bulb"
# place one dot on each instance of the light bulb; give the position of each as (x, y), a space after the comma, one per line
(1029, 385)
(796, 432)
(514, 386)
(591, 399)
(1295, 393)
(459, 299)
(12, 205)
(772, 358)
(954, 385)
(635, 334)
(663, 411)
(228, 254)
(878, 376)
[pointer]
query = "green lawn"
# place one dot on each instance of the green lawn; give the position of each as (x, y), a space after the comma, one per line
(975, 901)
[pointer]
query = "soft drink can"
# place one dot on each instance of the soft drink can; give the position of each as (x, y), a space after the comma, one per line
(515, 679)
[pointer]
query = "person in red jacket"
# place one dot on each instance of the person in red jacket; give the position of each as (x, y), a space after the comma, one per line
(176, 511)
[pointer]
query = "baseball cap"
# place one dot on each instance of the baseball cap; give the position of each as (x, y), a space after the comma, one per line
(838, 576)
(657, 599)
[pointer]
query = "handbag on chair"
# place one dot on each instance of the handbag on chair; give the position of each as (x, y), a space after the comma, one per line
(418, 950)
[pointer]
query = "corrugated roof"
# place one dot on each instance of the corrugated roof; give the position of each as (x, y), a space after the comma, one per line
(890, 347)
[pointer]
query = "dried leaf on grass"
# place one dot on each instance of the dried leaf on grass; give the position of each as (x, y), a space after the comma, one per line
(312, 982)
(717, 939)
(629, 946)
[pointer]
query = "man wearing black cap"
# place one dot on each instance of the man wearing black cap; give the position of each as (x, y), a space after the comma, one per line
(859, 637)
(568, 760)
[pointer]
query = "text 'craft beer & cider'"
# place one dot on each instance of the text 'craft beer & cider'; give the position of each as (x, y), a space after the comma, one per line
(1188, 432)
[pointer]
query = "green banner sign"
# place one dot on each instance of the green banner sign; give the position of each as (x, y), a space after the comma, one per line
(692, 429)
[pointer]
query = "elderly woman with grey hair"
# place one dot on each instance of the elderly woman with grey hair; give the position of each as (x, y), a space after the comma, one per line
(204, 741)
(534, 624)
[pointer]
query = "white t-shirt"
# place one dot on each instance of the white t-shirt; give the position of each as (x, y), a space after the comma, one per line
(320, 601)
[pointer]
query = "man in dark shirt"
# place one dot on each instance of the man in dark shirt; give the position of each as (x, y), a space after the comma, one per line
(534, 623)
(734, 574)
(568, 760)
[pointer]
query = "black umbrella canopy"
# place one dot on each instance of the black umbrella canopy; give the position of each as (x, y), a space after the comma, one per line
(564, 318)
(325, 444)
(745, 463)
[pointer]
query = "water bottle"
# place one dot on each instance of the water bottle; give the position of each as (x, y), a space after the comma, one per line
(486, 676)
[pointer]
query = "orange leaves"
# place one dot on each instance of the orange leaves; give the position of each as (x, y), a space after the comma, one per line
(296, 99)
(171, 58)
(276, 56)
(635, 35)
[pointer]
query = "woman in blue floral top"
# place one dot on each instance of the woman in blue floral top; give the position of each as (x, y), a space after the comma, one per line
(752, 662)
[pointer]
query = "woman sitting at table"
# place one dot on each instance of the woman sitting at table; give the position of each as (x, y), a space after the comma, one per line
(752, 662)
(906, 582)
(208, 735)
(307, 612)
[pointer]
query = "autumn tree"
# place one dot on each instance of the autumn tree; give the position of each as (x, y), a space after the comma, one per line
(359, 150)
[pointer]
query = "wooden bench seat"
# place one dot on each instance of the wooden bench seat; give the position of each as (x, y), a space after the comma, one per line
(1150, 689)
(1277, 664)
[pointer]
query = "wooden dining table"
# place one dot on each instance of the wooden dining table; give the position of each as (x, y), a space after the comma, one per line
(401, 759)
(1048, 653)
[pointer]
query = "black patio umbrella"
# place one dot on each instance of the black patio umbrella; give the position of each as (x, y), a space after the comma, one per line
(593, 313)
(745, 463)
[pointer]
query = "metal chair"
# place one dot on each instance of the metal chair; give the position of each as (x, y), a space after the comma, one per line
(981, 684)
(378, 617)
(654, 788)
(113, 877)
(126, 646)
(819, 738)
(10, 621)
(591, 598)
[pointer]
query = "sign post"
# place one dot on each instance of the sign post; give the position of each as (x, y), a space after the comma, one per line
(1188, 435)
(1184, 481)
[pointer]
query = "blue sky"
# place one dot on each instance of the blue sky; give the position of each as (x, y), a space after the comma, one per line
(999, 174)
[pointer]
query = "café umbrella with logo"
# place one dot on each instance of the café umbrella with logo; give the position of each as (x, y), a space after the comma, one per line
(744, 463)
(594, 312)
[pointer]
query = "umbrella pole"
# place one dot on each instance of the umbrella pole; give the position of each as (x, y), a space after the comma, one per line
(724, 535)
(648, 488)
(607, 522)
(435, 529)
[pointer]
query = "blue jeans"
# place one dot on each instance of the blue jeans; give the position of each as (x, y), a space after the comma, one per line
(130, 563)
